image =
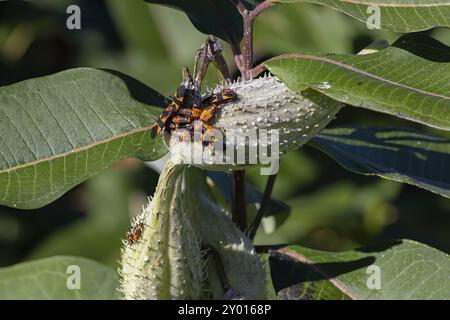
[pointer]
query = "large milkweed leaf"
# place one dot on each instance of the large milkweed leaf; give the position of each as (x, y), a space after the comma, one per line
(410, 79)
(217, 17)
(398, 154)
(57, 131)
(395, 15)
(401, 269)
(59, 278)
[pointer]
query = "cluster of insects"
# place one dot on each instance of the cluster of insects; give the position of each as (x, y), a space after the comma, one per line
(135, 233)
(179, 114)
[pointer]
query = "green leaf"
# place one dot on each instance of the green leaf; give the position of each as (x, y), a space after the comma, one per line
(395, 15)
(398, 154)
(48, 278)
(270, 290)
(407, 270)
(98, 236)
(398, 80)
(57, 131)
(216, 17)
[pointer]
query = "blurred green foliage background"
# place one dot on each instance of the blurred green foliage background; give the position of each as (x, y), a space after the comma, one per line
(331, 209)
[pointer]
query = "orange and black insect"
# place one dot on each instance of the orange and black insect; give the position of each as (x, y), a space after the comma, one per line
(135, 233)
(193, 118)
(210, 104)
(169, 111)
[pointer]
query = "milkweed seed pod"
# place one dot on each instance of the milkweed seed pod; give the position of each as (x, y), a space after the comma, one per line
(243, 270)
(267, 118)
(165, 262)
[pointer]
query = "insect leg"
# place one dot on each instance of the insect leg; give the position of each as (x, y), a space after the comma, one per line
(208, 113)
(170, 110)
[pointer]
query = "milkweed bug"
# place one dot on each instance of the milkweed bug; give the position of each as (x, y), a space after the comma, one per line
(135, 233)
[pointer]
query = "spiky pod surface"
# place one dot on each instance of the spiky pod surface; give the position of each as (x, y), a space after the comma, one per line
(166, 262)
(267, 103)
(263, 103)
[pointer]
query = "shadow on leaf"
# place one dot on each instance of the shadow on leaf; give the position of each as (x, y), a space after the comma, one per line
(140, 91)
(423, 46)
(400, 154)
(287, 272)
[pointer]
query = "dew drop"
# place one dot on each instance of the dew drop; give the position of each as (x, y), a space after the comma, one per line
(324, 85)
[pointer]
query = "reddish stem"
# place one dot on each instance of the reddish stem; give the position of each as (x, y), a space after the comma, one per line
(260, 68)
(248, 45)
(248, 19)
(244, 62)
(238, 59)
(239, 5)
(260, 8)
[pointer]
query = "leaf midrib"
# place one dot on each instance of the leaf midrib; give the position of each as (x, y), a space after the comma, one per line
(338, 284)
(75, 150)
(358, 71)
(391, 5)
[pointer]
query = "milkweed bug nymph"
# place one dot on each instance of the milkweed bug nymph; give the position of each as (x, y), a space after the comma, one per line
(169, 111)
(178, 115)
(135, 233)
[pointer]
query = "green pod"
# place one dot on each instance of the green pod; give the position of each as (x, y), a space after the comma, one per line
(165, 262)
(267, 103)
(243, 275)
(266, 120)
